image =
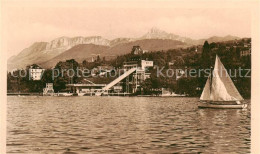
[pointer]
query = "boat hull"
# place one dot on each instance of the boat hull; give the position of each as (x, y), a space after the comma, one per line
(218, 106)
(65, 94)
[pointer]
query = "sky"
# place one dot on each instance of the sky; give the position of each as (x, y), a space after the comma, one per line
(25, 23)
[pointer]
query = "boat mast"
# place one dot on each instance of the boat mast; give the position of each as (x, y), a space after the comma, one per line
(210, 79)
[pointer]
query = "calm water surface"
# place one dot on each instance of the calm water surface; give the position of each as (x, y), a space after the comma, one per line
(122, 125)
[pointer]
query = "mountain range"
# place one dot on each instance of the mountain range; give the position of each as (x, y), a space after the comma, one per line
(47, 54)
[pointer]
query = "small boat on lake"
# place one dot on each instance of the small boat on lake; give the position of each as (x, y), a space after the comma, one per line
(98, 93)
(219, 91)
(81, 94)
(65, 94)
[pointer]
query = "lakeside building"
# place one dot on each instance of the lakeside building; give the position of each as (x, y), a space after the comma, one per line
(135, 71)
(35, 72)
(85, 88)
(48, 90)
(134, 74)
(134, 80)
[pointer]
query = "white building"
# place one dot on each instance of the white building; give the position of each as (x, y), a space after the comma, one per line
(35, 72)
(139, 75)
(48, 90)
(145, 63)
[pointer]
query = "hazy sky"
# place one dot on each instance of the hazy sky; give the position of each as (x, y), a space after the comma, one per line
(24, 24)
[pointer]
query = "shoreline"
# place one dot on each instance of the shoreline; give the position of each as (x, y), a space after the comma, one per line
(55, 95)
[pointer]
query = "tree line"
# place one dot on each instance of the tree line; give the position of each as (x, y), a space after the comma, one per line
(195, 57)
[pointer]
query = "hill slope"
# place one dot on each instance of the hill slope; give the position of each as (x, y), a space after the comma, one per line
(87, 51)
(41, 52)
(28, 55)
(79, 53)
(154, 40)
(147, 44)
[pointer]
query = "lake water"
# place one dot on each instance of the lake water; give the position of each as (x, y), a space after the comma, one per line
(122, 125)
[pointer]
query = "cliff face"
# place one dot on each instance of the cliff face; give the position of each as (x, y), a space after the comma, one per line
(87, 51)
(65, 42)
(154, 39)
(40, 52)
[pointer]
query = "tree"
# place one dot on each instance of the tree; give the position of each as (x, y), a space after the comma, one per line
(84, 63)
(104, 59)
(59, 84)
(98, 59)
(47, 76)
(206, 55)
(238, 53)
(187, 86)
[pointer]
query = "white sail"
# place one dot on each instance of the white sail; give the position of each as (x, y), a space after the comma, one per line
(206, 91)
(221, 88)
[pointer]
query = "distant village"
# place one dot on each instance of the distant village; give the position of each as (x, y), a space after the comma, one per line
(135, 73)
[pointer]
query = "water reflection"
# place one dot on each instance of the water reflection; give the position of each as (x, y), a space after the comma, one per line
(123, 124)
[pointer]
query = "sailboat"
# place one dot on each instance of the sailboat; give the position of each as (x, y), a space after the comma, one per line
(219, 91)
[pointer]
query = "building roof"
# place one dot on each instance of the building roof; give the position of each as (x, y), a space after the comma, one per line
(35, 66)
(85, 85)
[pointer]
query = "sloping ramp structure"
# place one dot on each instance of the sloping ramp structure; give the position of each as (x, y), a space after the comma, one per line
(120, 78)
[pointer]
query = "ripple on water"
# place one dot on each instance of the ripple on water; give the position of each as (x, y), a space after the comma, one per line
(123, 124)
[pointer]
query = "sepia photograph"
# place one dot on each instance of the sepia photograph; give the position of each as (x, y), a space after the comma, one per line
(129, 76)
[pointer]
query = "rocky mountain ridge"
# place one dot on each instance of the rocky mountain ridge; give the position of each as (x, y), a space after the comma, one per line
(41, 52)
